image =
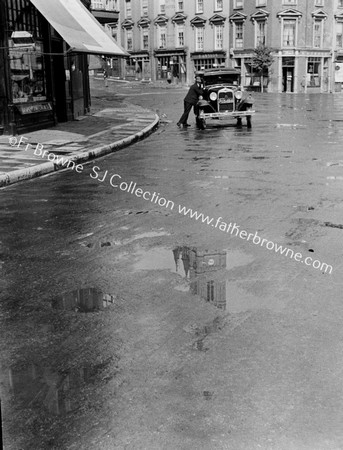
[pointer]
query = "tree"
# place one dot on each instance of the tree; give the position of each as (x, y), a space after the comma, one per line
(262, 60)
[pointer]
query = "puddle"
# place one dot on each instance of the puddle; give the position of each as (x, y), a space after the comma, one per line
(161, 258)
(83, 300)
(288, 125)
(237, 258)
(44, 390)
(339, 178)
(148, 234)
(303, 208)
(204, 273)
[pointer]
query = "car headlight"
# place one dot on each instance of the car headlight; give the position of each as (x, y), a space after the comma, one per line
(213, 96)
(238, 95)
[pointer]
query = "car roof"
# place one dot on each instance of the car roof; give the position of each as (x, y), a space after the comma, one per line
(220, 71)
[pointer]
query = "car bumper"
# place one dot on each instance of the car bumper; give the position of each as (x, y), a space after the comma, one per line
(223, 115)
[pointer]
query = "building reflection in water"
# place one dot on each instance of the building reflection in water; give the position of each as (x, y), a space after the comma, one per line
(201, 268)
(41, 388)
(83, 300)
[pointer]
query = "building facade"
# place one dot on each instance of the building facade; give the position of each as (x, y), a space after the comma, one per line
(171, 39)
(137, 37)
(300, 32)
(338, 45)
(107, 14)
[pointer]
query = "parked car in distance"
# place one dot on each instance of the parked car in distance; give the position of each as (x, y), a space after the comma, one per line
(223, 97)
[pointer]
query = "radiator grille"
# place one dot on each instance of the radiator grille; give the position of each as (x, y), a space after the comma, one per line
(225, 101)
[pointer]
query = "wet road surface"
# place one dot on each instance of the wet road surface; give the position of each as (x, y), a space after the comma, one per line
(126, 324)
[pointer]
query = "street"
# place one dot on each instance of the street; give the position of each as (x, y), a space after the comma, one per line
(128, 324)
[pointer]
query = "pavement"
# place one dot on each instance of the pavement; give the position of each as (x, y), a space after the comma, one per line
(111, 125)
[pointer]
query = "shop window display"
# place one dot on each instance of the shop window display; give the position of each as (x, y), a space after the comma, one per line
(313, 72)
(27, 74)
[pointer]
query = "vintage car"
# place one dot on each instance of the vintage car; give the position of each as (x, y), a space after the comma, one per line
(223, 97)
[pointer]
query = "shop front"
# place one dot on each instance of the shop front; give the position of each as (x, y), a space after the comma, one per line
(338, 72)
(138, 66)
(26, 92)
(171, 65)
(209, 60)
(45, 69)
(303, 71)
(317, 74)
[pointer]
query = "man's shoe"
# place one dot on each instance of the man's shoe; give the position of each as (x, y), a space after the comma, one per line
(179, 124)
(186, 125)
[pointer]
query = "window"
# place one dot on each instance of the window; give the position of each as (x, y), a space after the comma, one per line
(238, 4)
(340, 4)
(162, 36)
(22, 18)
(180, 36)
(128, 9)
(339, 34)
(317, 33)
(27, 74)
(202, 64)
(145, 39)
(218, 5)
(144, 7)
(260, 37)
(319, 3)
(208, 63)
(28, 79)
(252, 78)
(210, 291)
(179, 5)
(238, 34)
(162, 6)
(200, 6)
(288, 32)
(261, 2)
(313, 72)
(129, 42)
(218, 36)
(199, 39)
(114, 31)
(97, 4)
(289, 2)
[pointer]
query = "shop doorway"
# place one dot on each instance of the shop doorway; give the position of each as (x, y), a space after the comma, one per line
(163, 68)
(288, 74)
(171, 68)
(288, 79)
(59, 81)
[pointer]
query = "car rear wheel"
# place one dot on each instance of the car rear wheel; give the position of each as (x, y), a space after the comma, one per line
(249, 121)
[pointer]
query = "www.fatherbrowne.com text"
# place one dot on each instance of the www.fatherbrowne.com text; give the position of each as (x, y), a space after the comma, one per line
(218, 223)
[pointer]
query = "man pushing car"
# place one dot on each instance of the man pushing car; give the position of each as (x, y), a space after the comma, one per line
(191, 99)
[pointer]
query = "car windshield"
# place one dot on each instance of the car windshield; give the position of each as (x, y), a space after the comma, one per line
(226, 78)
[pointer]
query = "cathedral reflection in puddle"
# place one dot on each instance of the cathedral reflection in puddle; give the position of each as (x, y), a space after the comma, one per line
(202, 269)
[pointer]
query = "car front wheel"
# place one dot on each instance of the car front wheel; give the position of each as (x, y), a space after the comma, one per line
(201, 123)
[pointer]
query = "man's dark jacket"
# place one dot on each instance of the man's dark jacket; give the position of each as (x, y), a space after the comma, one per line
(193, 94)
